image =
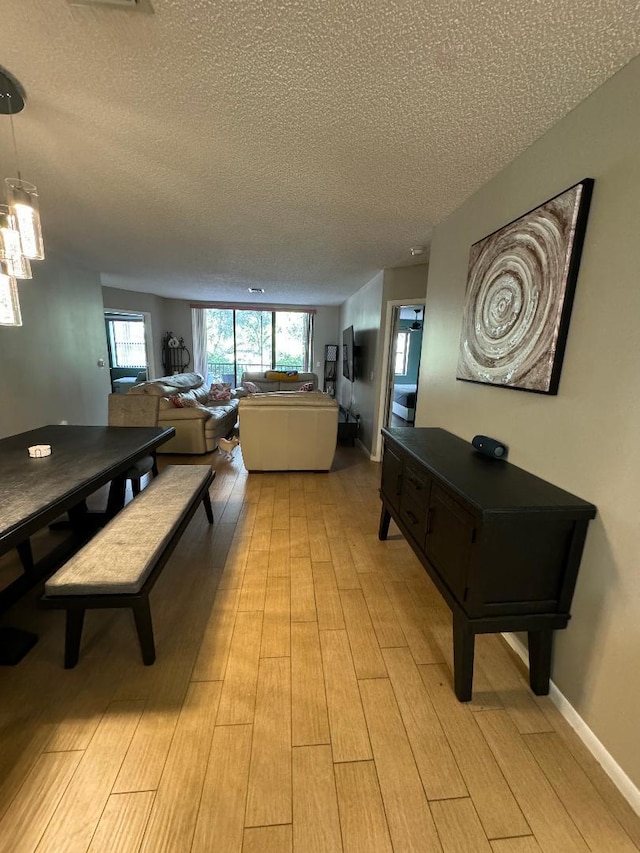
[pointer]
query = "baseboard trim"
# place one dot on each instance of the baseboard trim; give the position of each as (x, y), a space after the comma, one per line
(610, 766)
(364, 449)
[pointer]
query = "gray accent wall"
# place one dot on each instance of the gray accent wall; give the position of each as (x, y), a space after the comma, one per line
(585, 439)
(49, 364)
(367, 312)
(161, 314)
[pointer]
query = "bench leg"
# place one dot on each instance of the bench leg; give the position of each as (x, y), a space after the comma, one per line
(135, 486)
(73, 635)
(206, 500)
(154, 469)
(144, 627)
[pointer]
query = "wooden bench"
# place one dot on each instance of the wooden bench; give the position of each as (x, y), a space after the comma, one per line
(120, 565)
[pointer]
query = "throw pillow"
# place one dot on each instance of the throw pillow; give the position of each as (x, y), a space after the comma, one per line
(282, 375)
(219, 391)
(184, 402)
(306, 386)
(251, 387)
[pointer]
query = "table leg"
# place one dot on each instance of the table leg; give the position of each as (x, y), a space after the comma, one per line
(463, 652)
(540, 646)
(117, 491)
(385, 518)
(74, 519)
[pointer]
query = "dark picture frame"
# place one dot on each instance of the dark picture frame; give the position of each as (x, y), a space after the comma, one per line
(521, 283)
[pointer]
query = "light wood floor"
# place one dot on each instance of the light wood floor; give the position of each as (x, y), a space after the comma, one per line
(301, 700)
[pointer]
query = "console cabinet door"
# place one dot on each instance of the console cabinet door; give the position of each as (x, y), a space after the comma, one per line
(414, 501)
(391, 477)
(449, 540)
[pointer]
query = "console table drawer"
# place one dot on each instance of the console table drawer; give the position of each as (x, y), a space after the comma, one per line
(415, 519)
(414, 502)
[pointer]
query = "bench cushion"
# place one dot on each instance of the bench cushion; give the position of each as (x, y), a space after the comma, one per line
(121, 555)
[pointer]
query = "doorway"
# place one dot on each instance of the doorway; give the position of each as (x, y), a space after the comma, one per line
(129, 348)
(405, 349)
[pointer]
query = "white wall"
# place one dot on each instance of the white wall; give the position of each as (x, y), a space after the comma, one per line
(325, 331)
(49, 364)
(585, 439)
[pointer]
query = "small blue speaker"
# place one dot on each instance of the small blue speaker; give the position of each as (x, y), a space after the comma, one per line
(490, 447)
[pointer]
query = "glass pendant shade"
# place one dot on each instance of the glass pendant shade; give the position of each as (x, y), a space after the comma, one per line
(10, 244)
(17, 269)
(9, 303)
(12, 262)
(22, 198)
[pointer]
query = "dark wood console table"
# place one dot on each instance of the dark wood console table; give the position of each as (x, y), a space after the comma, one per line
(502, 546)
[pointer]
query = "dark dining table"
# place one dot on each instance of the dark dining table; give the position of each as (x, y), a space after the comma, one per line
(34, 492)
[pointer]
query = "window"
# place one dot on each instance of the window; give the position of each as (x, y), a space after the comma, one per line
(402, 353)
(244, 339)
(126, 341)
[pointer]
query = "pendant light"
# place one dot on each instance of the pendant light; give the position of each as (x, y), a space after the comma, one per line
(22, 196)
(20, 230)
(416, 326)
(9, 304)
(23, 201)
(13, 262)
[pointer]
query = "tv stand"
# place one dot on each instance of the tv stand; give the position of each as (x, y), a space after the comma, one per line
(502, 546)
(348, 426)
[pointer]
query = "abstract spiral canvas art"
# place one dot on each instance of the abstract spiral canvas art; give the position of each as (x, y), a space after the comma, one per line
(520, 287)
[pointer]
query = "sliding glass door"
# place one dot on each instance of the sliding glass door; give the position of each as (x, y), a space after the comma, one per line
(254, 341)
(245, 339)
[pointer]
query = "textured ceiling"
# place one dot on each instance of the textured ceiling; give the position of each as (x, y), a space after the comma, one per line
(297, 145)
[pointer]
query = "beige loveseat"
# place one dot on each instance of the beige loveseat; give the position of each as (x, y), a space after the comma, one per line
(288, 431)
(198, 428)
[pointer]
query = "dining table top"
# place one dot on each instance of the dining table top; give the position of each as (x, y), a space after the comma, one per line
(34, 491)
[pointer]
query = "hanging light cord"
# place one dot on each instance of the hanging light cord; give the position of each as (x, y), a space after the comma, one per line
(13, 134)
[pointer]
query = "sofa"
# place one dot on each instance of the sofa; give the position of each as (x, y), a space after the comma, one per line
(282, 383)
(124, 383)
(288, 431)
(200, 423)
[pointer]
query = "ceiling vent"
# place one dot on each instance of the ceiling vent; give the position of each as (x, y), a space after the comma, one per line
(125, 5)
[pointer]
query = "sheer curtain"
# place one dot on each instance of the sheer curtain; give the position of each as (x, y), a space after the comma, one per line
(199, 326)
(308, 350)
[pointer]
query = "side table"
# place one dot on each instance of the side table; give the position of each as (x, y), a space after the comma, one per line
(348, 427)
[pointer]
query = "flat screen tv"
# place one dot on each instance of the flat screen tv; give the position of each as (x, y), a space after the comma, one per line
(347, 354)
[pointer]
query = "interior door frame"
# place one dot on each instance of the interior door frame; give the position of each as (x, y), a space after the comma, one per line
(390, 373)
(392, 319)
